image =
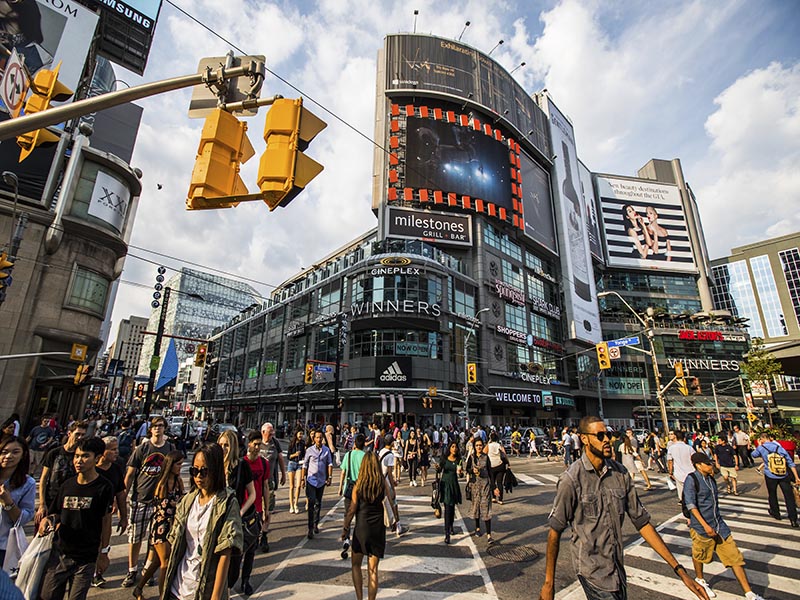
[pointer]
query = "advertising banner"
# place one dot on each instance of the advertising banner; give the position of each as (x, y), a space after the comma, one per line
(627, 386)
(426, 63)
(576, 263)
(442, 228)
(645, 225)
(512, 396)
(452, 158)
(109, 200)
(537, 203)
(393, 372)
(590, 213)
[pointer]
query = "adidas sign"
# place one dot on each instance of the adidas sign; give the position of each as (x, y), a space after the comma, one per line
(393, 373)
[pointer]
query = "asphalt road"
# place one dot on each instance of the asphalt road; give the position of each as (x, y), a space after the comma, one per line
(420, 566)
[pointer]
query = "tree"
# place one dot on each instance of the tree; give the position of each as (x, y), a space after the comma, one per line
(761, 367)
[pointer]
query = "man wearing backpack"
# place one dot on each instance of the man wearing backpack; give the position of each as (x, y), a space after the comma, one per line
(708, 530)
(777, 467)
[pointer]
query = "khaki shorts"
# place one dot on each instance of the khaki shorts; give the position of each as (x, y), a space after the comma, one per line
(703, 550)
(728, 472)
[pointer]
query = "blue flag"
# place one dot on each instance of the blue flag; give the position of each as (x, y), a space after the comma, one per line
(169, 368)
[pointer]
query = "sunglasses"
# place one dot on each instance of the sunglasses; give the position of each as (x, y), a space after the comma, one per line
(201, 472)
(600, 435)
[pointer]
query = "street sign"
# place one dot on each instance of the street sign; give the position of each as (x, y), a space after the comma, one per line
(15, 84)
(752, 417)
(78, 352)
(204, 99)
(628, 341)
(614, 353)
(323, 368)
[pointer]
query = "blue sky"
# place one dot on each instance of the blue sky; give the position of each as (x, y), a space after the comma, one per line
(716, 84)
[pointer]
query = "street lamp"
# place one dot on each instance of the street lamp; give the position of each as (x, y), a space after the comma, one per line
(466, 380)
(648, 325)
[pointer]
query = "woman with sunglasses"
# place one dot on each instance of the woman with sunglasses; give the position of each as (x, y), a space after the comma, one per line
(206, 530)
(169, 490)
(239, 478)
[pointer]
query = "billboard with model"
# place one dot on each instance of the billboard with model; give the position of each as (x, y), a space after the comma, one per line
(644, 224)
(424, 63)
(576, 263)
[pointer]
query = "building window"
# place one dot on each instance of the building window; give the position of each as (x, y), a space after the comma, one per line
(517, 357)
(88, 290)
(732, 290)
(395, 342)
(501, 241)
(512, 275)
(367, 288)
(326, 343)
(463, 299)
(790, 260)
(543, 327)
(768, 294)
(296, 354)
(330, 296)
(516, 318)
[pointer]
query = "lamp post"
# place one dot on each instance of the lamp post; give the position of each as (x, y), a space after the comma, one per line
(466, 379)
(648, 325)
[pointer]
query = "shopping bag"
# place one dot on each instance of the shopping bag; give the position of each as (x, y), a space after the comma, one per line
(671, 485)
(32, 565)
(17, 544)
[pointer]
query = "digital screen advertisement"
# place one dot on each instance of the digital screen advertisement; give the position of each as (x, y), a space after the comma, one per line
(537, 203)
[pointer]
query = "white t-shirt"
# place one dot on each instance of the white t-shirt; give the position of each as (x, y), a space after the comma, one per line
(184, 586)
(495, 454)
(680, 454)
(566, 439)
(387, 461)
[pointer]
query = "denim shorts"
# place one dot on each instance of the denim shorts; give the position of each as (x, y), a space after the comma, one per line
(293, 466)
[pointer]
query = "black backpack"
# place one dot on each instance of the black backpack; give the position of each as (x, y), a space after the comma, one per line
(686, 512)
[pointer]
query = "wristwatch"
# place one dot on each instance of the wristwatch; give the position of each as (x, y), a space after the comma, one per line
(105, 550)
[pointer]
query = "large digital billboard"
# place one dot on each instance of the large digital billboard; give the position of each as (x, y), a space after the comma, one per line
(645, 225)
(537, 203)
(444, 67)
(576, 263)
(448, 157)
(590, 213)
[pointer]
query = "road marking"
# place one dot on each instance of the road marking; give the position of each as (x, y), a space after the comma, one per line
(527, 479)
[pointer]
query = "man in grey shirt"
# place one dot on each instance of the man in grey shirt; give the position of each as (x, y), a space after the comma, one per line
(593, 496)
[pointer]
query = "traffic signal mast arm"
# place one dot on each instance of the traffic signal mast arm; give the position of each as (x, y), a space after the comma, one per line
(79, 108)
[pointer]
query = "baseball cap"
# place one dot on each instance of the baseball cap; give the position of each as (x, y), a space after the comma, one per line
(701, 457)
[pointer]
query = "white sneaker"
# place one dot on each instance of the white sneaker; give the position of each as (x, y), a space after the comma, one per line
(753, 596)
(706, 587)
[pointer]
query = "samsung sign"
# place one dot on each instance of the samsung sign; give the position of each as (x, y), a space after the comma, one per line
(427, 226)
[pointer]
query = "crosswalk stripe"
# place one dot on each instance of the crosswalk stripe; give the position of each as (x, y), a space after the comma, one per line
(399, 563)
(527, 479)
(778, 560)
(281, 589)
(548, 477)
(667, 585)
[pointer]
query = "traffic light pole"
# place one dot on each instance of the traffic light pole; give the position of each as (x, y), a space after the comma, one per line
(53, 116)
(151, 382)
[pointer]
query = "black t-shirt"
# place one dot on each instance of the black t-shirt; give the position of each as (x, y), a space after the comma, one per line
(59, 462)
(725, 456)
(81, 508)
(241, 475)
(40, 436)
(148, 460)
(115, 476)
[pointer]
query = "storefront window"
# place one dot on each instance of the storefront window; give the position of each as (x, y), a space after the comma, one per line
(395, 342)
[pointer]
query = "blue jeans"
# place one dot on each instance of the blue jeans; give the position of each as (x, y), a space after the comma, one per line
(568, 455)
(592, 593)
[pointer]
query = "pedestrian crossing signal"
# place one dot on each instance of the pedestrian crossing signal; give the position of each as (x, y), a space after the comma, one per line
(140, 390)
(427, 402)
(472, 373)
(309, 374)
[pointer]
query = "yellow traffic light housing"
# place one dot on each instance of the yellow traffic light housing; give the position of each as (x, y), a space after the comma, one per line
(309, 373)
(603, 359)
(200, 356)
(6, 266)
(82, 373)
(683, 389)
(679, 369)
(472, 373)
(45, 88)
(284, 171)
(223, 147)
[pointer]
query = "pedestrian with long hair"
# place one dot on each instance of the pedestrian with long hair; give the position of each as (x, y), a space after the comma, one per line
(411, 456)
(169, 490)
(483, 488)
(370, 532)
(17, 488)
(632, 462)
(497, 460)
(424, 456)
(239, 477)
(449, 467)
(206, 531)
(296, 454)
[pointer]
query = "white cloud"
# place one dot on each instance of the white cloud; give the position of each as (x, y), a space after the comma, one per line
(751, 187)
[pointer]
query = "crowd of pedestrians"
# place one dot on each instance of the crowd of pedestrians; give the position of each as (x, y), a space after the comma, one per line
(202, 541)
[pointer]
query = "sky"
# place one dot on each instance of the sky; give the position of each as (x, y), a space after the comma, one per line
(714, 83)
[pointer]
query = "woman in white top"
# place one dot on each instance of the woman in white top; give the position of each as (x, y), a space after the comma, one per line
(497, 461)
(206, 530)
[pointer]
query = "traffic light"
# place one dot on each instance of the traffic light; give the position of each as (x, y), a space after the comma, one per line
(45, 88)
(472, 373)
(140, 390)
(680, 373)
(679, 369)
(284, 170)
(200, 356)
(82, 373)
(309, 373)
(6, 266)
(223, 147)
(603, 359)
